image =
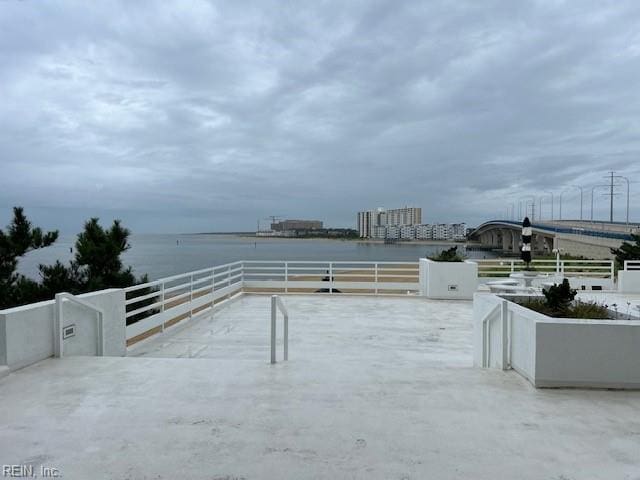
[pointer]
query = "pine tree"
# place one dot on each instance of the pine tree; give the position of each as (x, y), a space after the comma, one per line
(627, 251)
(20, 237)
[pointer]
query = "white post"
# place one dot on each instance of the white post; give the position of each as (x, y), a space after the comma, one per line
(57, 328)
(330, 277)
(505, 334)
(286, 337)
(273, 328)
(376, 278)
(213, 287)
(228, 282)
(163, 300)
(612, 272)
(286, 277)
(191, 296)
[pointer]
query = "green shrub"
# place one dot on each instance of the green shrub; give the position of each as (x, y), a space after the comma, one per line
(559, 297)
(559, 301)
(449, 255)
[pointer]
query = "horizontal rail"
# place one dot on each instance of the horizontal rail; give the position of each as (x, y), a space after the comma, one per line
(632, 265)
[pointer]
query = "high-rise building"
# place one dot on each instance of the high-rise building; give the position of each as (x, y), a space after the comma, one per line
(397, 217)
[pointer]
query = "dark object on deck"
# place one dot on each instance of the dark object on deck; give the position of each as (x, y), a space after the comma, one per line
(328, 290)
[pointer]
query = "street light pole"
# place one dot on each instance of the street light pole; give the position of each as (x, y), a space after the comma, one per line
(581, 192)
(592, 189)
(626, 180)
(533, 200)
(550, 193)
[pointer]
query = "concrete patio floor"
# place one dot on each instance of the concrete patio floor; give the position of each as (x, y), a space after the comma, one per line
(375, 388)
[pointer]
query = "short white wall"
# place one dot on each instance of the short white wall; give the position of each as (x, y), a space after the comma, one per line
(448, 280)
(629, 281)
(27, 332)
(588, 353)
(558, 352)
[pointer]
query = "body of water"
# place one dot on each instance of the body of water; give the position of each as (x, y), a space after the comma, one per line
(164, 255)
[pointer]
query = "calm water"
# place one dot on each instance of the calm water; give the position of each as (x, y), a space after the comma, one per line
(163, 255)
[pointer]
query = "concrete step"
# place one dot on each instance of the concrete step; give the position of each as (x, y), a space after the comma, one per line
(4, 371)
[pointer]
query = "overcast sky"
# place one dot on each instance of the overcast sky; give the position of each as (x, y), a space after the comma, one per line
(192, 116)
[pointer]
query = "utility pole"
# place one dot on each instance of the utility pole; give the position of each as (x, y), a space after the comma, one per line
(611, 193)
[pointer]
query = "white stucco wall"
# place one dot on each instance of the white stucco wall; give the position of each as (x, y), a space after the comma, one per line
(27, 332)
(588, 353)
(448, 280)
(629, 281)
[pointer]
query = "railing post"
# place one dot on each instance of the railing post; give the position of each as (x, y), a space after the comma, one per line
(505, 334)
(286, 277)
(330, 277)
(213, 287)
(273, 328)
(613, 272)
(512, 266)
(228, 282)
(57, 328)
(162, 296)
(376, 278)
(191, 296)
(286, 337)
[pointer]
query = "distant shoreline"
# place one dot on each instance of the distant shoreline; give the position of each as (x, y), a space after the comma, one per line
(251, 235)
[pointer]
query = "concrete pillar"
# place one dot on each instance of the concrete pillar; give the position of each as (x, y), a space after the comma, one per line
(515, 241)
(506, 240)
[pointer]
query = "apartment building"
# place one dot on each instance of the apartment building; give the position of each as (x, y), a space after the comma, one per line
(368, 220)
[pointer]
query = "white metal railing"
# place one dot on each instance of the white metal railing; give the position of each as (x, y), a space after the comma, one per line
(278, 304)
(332, 277)
(501, 267)
(58, 344)
(503, 308)
(631, 265)
(173, 298)
(154, 305)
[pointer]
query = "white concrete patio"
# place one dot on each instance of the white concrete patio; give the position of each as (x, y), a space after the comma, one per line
(376, 387)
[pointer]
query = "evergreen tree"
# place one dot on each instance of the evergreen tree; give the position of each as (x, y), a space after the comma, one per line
(20, 237)
(96, 265)
(627, 251)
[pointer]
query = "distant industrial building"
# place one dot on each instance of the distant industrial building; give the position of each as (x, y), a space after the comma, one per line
(370, 221)
(286, 225)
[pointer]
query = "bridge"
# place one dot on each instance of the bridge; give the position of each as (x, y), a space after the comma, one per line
(574, 237)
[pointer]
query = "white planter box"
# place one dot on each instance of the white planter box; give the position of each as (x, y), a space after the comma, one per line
(629, 281)
(448, 280)
(557, 352)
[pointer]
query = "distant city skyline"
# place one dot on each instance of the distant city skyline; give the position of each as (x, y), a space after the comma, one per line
(207, 116)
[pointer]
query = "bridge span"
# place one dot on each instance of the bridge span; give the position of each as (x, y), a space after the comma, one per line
(574, 237)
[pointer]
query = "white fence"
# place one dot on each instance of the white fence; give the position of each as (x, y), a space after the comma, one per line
(155, 305)
(331, 277)
(631, 265)
(500, 267)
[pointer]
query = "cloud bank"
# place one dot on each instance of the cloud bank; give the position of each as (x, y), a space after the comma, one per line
(200, 116)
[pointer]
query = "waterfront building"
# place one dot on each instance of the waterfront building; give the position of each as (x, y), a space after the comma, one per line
(368, 220)
(285, 225)
(408, 232)
(424, 232)
(393, 232)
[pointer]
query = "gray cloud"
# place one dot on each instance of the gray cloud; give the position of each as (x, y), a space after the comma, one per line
(195, 116)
